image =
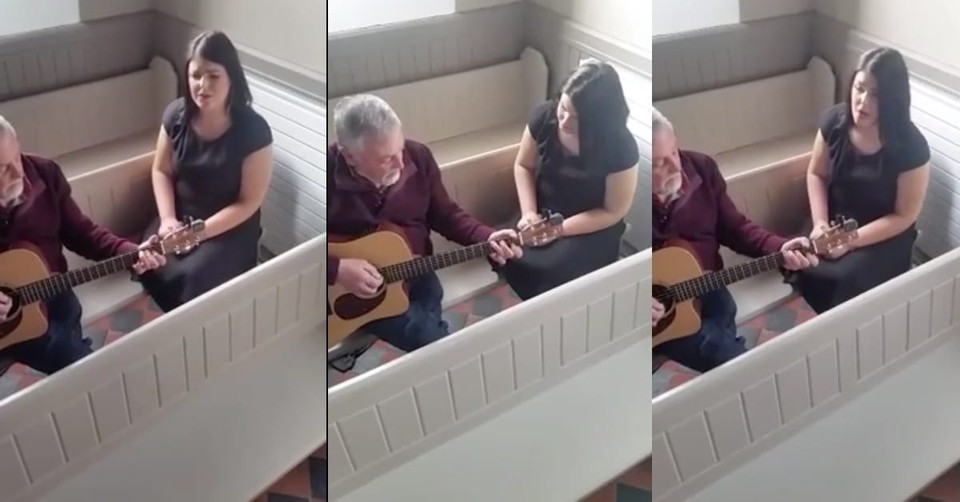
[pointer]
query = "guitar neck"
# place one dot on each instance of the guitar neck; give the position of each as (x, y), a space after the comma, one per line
(706, 283)
(426, 264)
(54, 285)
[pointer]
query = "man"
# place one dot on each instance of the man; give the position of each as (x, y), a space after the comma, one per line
(36, 208)
(690, 202)
(374, 176)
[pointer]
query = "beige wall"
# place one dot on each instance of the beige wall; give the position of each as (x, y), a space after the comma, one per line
(927, 28)
(465, 5)
(619, 19)
(753, 10)
(290, 32)
(100, 9)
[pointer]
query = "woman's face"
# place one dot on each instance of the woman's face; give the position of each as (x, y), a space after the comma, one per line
(209, 84)
(567, 116)
(864, 100)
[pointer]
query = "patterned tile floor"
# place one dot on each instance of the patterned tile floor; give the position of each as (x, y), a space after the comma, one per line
(756, 331)
(307, 482)
(632, 486)
(458, 316)
(101, 332)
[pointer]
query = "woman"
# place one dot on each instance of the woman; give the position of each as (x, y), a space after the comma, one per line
(577, 158)
(214, 163)
(869, 163)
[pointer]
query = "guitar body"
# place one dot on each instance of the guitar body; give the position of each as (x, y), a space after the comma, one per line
(19, 266)
(674, 263)
(385, 246)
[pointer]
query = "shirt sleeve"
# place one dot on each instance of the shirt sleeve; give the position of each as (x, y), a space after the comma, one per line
(736, 231)
(257, 133)
(446, 216)
(172, 115)
(916, 151)
(539, 117)
(78, 232)
(831, 118)
(624, 155)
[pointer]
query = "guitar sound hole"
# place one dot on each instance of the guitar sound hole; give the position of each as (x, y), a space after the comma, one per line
(351, 306)
(669, 312)
(14, 316)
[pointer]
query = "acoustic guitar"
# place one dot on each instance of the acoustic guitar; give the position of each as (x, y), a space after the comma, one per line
(679, 280)
(387, 250)
(26, 279)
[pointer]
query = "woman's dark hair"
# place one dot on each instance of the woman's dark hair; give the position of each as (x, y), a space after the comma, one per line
(216, 47)
(602, 111)
(889, 70)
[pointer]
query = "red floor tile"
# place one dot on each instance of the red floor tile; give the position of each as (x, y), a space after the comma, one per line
(295, 483)
(946, 488)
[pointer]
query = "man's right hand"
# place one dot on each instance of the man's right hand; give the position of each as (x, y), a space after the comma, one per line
(5, 304)
(359, 277)
(657, 311)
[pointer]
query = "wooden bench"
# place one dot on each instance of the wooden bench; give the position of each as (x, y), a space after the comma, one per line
(103, 134)
(760, 134)
(97, 124)
(473, 122)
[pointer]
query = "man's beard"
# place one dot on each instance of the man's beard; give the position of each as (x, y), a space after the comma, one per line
(391, 178)
(11, 194)
(670, 188)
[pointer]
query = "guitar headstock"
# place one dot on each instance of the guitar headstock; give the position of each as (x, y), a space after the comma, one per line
(183, 239)
(838, 234)
(546, 229)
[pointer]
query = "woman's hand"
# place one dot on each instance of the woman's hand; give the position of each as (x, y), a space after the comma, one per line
(527, 219)
(168, 226)
(819, 228)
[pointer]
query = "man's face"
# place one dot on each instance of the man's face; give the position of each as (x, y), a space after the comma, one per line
(11, 170)
(667, 172)
(379, 158)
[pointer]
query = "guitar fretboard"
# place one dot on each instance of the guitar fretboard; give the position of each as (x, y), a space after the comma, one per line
(426, 264)
(54, 285)
(706, 283)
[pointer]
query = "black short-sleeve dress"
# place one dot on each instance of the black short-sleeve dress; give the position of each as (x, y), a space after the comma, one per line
(569, 185)
(862, 187)
(207, 178)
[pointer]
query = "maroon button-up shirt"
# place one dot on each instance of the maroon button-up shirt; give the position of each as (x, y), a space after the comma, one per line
(417, 203)
(705, 216)
(49, 219)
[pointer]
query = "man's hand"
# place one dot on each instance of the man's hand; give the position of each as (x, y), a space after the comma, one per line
(657, 311)
(5, 304)
(149, 259)
(795, 259)
(502, 242)
(359, 277)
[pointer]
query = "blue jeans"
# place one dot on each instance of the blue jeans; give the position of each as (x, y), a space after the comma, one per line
(715, 343)
(421, 324)
(62, 345)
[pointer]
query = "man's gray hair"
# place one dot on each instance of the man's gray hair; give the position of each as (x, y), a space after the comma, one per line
(6, 128)
(360, 116)
(659, 122)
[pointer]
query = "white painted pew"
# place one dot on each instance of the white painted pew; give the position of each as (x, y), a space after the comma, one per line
(173, 410)
(507, 408)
